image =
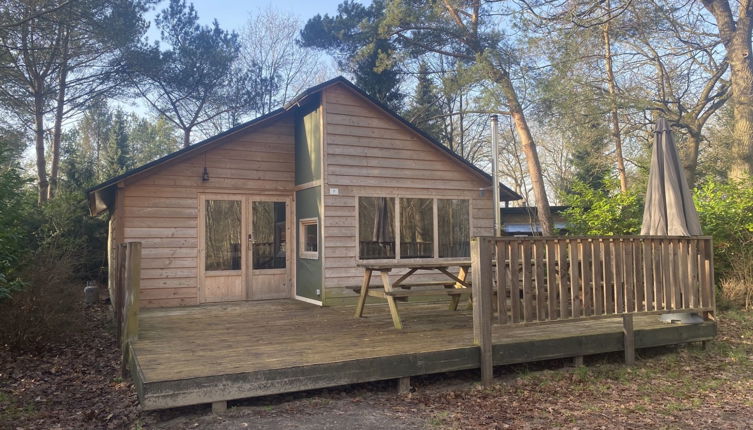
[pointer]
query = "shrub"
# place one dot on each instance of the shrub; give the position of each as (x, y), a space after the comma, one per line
(64, 247)
(602, 211)
(14, 207)
(48, 308)
(726, 213)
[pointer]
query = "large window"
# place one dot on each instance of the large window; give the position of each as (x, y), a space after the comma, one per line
(223, 235)
(417, 231)
(416, 228)
(454, 228)
(376, 227)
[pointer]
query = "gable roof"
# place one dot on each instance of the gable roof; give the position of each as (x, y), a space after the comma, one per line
(99, 196)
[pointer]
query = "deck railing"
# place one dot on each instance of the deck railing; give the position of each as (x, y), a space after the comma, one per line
(127, 272)
(559, 279)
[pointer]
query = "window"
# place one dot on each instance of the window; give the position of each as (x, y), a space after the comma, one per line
(268, 233)
(418, 232)
(376, 227)
(309, 234)
(222, 222)
(416, 228)
(454, 228)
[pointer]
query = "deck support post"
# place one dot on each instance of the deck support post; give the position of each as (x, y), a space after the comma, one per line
(219, 407)
(627, 329)
(403, 385)
(481, 273)
(578, 361)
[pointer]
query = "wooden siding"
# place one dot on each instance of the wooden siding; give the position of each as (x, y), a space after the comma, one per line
(161, 206)
(369, 153)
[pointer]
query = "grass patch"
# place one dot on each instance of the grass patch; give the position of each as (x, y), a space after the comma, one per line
(11, 411)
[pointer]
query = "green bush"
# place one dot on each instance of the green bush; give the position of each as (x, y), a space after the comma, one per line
(602, 211)
(65, 248)
(15, 206)
(726, 213)
(46, 254)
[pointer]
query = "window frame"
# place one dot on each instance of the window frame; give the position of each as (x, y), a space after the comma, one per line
(302, 253)
(396, 234)
(436, 225)
(397, 198)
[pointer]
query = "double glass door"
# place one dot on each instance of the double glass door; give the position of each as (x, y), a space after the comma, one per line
(244, 248)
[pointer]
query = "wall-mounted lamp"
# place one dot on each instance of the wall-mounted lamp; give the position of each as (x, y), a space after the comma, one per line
(205, 174)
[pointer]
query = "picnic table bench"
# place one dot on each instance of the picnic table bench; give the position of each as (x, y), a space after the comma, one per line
(454, 285)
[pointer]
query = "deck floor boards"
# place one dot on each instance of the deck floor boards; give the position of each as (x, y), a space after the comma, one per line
(191, 343)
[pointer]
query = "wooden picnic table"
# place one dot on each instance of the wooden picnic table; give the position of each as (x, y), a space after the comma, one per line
(454, 286)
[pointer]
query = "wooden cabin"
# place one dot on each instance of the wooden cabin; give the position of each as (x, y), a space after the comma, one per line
(523, 220)
(307, 201)
(287, 205)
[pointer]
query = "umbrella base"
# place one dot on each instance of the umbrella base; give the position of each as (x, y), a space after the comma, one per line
(681, 318)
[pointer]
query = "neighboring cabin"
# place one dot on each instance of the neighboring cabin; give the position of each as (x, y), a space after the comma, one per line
(524, 221)
(285, 206)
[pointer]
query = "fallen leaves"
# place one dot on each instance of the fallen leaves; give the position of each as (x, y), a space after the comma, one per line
(669, 388)
(70, 385)
(77, 385)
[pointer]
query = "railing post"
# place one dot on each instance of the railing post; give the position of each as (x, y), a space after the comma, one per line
(712, 283)
(481, 275)
(119, 296)
(130, 304)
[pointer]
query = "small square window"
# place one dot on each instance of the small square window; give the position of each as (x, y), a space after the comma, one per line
(309, 243)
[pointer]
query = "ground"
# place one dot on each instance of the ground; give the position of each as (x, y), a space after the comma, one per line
(76, 385)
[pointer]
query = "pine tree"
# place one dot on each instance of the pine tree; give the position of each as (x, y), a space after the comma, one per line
(352, 37)
(117, 157)
(93, 133)
(149, 140)
(378, 80)
(425, 111)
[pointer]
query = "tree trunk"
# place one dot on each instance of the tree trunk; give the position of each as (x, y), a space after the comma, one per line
(42, 182)
(691, 162)
(736, 37)
(186, 137)
(529, 149)
(615, 122)
(742, 109)
(57, 132)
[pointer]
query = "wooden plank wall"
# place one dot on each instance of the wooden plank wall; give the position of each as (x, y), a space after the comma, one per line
(160, 208)
(368, 153)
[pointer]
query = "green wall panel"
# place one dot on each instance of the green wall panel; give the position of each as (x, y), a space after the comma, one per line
(308, 204)
(308, 144)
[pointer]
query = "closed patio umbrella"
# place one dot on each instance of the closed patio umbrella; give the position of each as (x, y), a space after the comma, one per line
(382, 233)
(669, 208)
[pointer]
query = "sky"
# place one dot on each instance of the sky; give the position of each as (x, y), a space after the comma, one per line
(233, 14)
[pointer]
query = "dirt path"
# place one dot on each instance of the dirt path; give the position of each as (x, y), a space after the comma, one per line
(317, 413)
(76, 386)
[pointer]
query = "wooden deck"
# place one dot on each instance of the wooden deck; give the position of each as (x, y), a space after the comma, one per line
(208, 353)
